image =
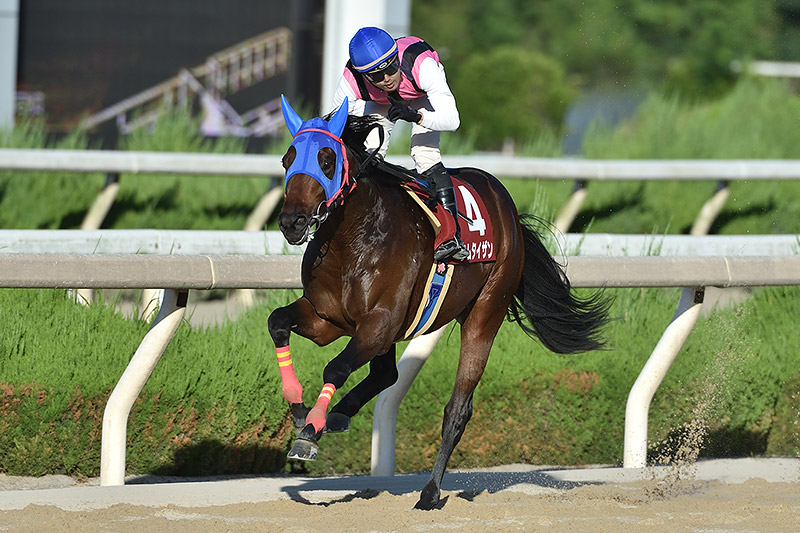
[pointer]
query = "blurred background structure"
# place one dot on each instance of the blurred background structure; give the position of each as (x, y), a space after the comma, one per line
(9, 16)
(110, 64)
(549, 68)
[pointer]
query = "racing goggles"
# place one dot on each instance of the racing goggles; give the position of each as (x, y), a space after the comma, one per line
(384, 69)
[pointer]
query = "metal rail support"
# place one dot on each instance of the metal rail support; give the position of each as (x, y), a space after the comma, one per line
(571, 209)
(255, 222)
(384, 420)
(94, 219)
(102, 203)
(151, 303)
(264, 208)
(636, 411)
(118, 408)
(710, 210)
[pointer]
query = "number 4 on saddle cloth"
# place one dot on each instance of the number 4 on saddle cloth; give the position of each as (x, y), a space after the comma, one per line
(476, 234)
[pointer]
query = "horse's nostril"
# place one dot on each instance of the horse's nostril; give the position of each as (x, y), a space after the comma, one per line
(293, 222)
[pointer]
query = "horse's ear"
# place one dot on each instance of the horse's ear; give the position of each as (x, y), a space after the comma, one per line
(339, 119)
(292, 119)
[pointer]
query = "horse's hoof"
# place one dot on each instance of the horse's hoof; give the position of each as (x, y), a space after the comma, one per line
(337, 423)
(304, 450)
(429, 499)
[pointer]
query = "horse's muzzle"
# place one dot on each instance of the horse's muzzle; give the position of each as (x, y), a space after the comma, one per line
(295, 227)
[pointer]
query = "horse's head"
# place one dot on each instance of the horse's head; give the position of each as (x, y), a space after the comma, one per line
(317, 172)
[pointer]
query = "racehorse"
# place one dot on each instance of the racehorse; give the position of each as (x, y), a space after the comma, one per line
(364, 274)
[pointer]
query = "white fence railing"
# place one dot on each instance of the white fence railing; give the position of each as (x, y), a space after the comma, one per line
(132, 162)
(772, 69)
(580, 170)
(146, 241)
(221, 242)
(178, 274)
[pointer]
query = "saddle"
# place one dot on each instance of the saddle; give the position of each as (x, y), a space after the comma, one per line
(476, 226)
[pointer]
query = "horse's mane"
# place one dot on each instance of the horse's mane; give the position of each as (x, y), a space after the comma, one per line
(355, 134)
(354, 137)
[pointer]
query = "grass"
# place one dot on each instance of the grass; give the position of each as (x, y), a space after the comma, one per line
(213, 404)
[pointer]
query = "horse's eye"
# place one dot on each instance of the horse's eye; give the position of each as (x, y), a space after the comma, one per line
(326, 159)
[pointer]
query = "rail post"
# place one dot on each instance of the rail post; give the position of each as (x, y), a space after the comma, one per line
(384, 420)
(255, 222)
(118, 408)
(94, 219)
(571, 209)
(645, 386)
(710, 210)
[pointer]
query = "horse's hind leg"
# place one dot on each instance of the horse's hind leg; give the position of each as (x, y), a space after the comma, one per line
(456, 415)
(477, 335)
(382, 374)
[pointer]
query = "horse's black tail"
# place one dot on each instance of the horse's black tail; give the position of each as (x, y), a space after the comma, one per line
(545, 307)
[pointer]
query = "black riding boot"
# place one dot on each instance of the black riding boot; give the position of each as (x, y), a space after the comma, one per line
(443, 187)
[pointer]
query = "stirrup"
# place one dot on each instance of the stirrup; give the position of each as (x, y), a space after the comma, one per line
(451, 249)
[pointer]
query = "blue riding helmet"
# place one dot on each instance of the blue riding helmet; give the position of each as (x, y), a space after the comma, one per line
(372, 49)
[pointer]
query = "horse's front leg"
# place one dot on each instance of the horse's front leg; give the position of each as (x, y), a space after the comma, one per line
(301, 317)
(369, 339)
(382, 374)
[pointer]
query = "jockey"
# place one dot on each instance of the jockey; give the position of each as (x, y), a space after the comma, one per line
(403, 80)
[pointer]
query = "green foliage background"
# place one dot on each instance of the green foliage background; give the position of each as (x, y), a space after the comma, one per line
(756, 119)
(530, 96)
(679, 47)
(686, 44)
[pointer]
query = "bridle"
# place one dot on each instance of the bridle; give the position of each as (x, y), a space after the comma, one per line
(348, 182)
(316, 220)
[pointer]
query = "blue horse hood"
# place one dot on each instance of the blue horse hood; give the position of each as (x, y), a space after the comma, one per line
(313, 136)
(310, 137)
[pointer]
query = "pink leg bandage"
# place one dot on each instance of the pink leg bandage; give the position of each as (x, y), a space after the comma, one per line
(317, 415)
(290, 386)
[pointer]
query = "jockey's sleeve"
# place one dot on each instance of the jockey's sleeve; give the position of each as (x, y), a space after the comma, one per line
(343, 89)
(433, 81)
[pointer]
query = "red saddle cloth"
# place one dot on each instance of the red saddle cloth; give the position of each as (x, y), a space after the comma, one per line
(476, 233)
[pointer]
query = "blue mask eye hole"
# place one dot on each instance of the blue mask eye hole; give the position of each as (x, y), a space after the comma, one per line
(326, 159)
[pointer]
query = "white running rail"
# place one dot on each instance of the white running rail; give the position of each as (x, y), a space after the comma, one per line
(581, 170)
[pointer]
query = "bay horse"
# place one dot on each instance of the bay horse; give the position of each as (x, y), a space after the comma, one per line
(364, 273)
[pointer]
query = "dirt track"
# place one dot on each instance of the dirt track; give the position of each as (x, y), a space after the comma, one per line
(668, 501)
(753, 506)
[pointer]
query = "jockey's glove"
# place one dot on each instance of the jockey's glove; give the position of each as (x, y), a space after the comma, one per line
(401, 111)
